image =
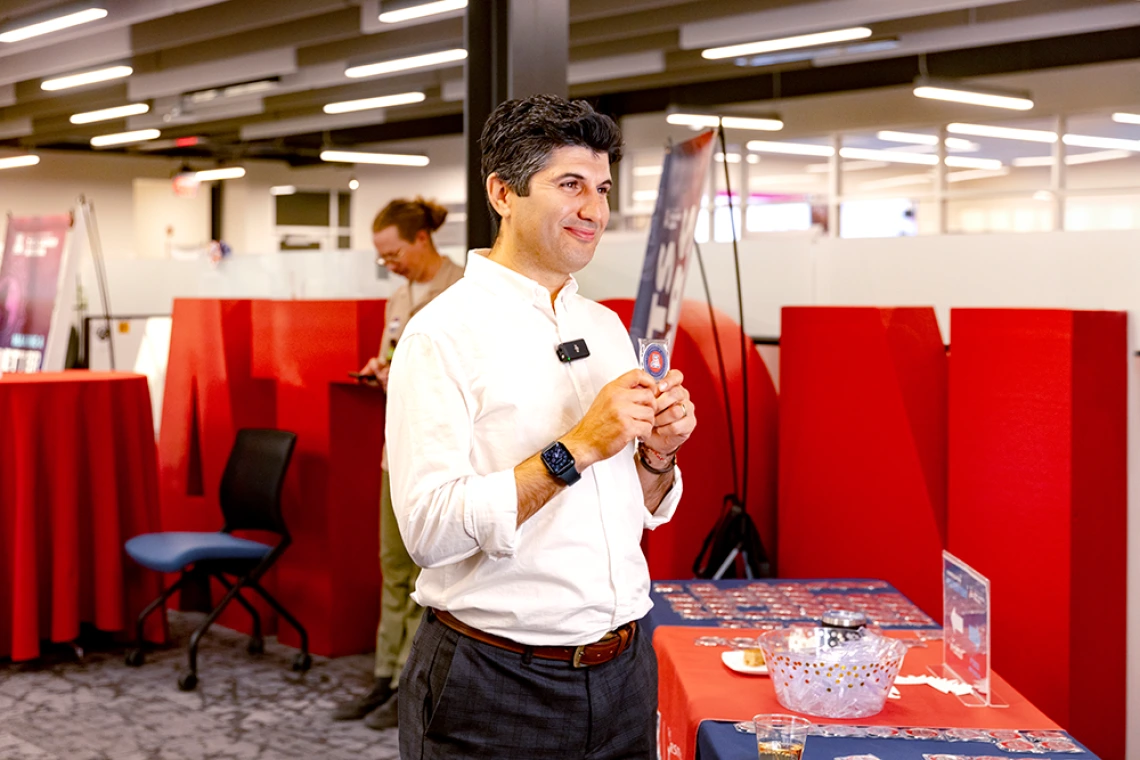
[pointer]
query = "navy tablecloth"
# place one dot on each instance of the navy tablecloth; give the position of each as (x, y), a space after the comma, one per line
(720, 741)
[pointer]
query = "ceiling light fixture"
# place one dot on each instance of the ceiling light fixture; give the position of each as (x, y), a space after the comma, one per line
(358, 157)
(978, 96)
(1003, 133)
(384, 101)
(787, 43)
(122, 138)
(790, 148)
(730, 122)
(405, 64)
(419, 11)
(106, 114)
(86, 77)
(733, 158)
(26, 30)
(892, 156)
(228, 172)
(1108, 143)
(965, 162)
(647, 171)
(354, 184)
(283, 190)
(15, 162)
(1126, 118)
(1074, 159)
(918, 138)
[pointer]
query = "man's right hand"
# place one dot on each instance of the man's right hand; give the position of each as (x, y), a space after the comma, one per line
(376, 371)
(622, 411)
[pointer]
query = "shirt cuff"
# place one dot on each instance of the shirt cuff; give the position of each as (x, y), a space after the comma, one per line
(491, 513)
(668, 504)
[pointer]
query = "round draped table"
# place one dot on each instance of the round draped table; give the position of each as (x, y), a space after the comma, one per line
(77, 479)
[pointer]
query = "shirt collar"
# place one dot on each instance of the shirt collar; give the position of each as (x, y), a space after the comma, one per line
(507, 282)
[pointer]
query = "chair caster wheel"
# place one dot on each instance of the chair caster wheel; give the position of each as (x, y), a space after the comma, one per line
(302, 662)
(135, 657)
(187, 682)
(256, 646)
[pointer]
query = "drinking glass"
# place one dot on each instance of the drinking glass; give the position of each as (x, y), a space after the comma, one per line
(779, 736)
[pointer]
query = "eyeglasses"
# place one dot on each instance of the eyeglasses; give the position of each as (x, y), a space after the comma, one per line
(384, 258)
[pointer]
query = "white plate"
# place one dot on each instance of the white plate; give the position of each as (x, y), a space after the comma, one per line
(734, 659)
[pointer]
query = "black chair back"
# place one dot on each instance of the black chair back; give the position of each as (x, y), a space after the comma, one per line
(254, 475)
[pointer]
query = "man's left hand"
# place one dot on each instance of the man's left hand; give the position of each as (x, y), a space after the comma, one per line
(675, 419)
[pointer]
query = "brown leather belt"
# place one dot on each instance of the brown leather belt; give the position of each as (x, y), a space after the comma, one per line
(610, 646)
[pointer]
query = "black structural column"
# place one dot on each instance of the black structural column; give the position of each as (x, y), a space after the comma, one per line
(515, 48)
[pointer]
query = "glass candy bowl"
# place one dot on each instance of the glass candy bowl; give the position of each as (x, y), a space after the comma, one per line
(849, 680)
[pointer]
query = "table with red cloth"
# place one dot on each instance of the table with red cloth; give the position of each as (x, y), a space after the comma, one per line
(695, 686)
(77, 479)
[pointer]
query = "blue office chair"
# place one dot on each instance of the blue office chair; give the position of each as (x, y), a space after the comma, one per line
(250, 496)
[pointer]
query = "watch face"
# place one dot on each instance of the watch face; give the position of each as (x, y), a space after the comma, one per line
(557, 457)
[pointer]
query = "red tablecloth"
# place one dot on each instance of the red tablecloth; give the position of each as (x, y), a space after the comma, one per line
(77, 479)
(695, 685)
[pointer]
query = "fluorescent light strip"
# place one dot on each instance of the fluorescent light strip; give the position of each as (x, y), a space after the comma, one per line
(287, 189)
(228, 172)
(788, 43)
(733, 158)
(917, 138)
(389, 159)
(790, 148)
(419, 11)
(1126, 118)
(965, 162)
(730, 122)
(1004, 133)
(1108, 143)
(15, 162)
(404, 64)
(644, 196)
(893, 156)
(106, 114)
(973, 97)
(122, 138)
(87, 77)
(1074, 159)
(53, 25)
(384, 101)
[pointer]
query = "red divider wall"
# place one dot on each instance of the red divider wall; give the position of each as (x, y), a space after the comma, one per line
(862, 483)
(1038, 503)
(705, 460)
(330, 577)
(284, 364)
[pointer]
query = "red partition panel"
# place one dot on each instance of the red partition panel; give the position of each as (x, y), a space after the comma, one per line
(863, 447)
(705, 460)
(330, 578)
(209, 394)
(1038, 503)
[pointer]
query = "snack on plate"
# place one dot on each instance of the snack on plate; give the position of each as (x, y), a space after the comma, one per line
(754, 657)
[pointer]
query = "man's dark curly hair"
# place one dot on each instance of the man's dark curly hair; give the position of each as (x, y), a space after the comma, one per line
(520, 135)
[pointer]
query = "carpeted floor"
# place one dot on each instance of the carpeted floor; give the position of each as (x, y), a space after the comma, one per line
(245, 708)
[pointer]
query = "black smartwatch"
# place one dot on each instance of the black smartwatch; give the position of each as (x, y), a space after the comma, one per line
(560, 463)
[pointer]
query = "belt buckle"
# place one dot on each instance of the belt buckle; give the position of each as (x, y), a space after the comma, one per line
(576, 660)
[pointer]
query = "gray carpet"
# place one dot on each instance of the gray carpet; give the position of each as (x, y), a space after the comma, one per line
(245, 708)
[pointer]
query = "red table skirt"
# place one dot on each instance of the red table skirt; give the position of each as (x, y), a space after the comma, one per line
(694, 685)
(77, 479)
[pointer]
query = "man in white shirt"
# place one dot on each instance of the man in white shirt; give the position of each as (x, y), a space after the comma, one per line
(518, 479)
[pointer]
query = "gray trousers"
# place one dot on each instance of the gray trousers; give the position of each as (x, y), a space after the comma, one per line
(461, 698)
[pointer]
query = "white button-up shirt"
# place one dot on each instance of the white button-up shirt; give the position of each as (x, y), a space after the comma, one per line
(476, 388)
